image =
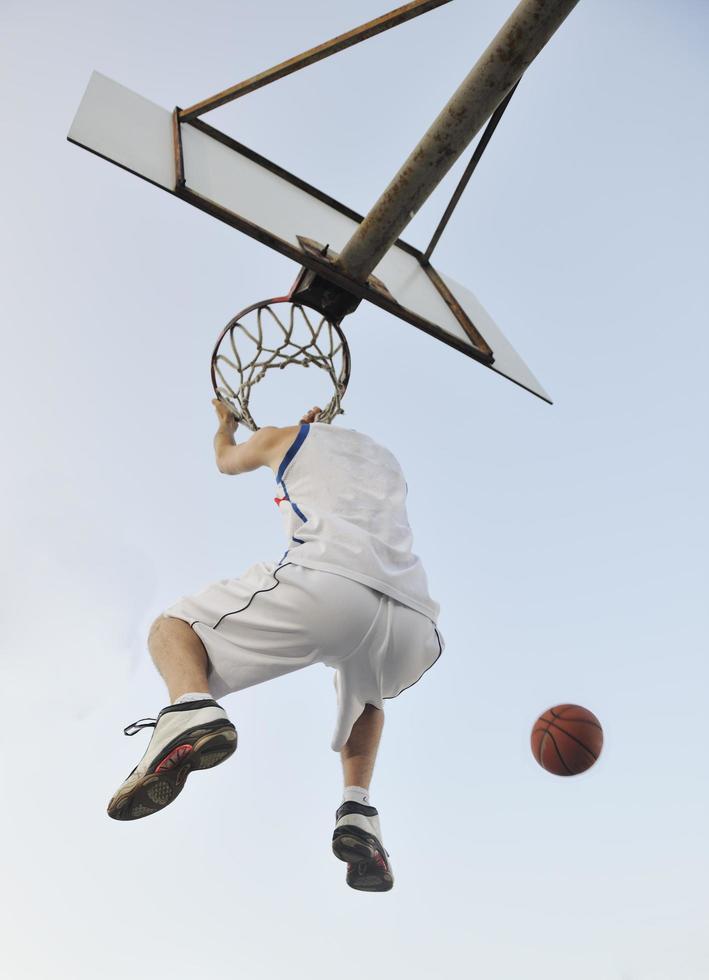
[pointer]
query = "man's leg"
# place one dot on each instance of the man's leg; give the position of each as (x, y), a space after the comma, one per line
(179, 655)
(357, 838)
(359, 753)
(186, 736)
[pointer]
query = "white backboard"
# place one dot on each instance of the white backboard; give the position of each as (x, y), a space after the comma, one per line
(261, 199)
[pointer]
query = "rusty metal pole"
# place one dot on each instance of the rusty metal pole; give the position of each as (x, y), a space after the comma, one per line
(513, 49)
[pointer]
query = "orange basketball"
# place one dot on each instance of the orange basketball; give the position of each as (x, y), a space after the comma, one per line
(567, 739)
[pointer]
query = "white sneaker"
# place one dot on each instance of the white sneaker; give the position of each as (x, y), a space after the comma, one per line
(357, 840)
(192, 735)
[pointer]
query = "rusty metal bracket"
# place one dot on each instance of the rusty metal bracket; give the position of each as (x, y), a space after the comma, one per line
(316, 290)
(473, 334)
(311, 247)
(312, 288)
(178, 152)
(362, 33)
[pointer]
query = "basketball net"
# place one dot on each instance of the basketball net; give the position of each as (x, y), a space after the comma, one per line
(258, 340)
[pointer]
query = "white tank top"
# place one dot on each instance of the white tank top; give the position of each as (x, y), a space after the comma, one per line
(343, 502)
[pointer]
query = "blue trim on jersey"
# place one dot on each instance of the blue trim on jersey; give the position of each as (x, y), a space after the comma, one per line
(293, 504)
(295, 446)
(298, 511)
(285, 463)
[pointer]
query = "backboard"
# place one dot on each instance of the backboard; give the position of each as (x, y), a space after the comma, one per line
(226, 179)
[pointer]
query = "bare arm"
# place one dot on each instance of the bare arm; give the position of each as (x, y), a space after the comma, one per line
(263, 448)
(247, 456)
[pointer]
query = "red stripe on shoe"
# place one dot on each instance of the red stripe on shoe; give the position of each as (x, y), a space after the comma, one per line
(174, 758)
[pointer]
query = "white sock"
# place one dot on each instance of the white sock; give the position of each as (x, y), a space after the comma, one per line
(192, 696)
(356, 794)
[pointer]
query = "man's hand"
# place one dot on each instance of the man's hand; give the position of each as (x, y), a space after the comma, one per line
(227, 420)
(311, 415)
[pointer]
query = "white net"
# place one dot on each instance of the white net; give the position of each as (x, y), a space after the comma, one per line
(277, 334)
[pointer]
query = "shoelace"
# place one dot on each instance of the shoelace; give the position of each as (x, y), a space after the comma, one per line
(139, 725)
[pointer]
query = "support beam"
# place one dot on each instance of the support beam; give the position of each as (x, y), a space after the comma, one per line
(468, 173)
(337, 44)
(499, 68)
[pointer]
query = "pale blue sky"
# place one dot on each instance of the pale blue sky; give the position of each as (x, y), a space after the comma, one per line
(567, 545)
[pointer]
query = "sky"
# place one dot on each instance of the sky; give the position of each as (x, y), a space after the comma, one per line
(566, 544)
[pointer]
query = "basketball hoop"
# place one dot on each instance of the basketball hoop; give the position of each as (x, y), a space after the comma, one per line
(277, 333)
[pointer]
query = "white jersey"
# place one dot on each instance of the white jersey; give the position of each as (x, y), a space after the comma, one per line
(343, 501)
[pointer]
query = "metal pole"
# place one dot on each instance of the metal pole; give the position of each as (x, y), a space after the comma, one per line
(500, 67)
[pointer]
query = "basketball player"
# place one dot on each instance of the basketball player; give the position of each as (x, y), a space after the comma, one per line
(348, 593)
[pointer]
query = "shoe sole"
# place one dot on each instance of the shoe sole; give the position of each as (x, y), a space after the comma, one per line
(158, 788)
(364, 877)
(359, 850)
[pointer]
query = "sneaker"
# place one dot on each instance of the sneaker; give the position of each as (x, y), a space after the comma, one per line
(357, 840)
(192, 735)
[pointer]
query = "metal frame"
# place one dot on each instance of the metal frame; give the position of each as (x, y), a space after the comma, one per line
(338, 282)
(495, 76)
(315, 260)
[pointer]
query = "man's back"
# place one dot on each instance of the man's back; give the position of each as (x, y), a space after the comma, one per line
(343, 501)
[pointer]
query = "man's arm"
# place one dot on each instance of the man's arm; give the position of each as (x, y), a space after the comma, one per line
(264, 448)
(247, 456)
(257, 451)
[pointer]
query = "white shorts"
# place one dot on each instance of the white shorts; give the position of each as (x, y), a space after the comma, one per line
(279, 618)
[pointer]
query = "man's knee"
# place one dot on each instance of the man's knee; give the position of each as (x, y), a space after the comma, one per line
(169, 628)
(158, 626)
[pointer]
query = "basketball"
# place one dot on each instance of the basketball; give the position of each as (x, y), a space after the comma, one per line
(567, 739)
